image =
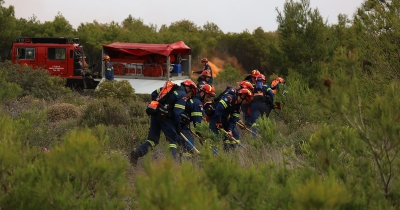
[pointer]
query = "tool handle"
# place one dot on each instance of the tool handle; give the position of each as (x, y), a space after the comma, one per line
(190, 143)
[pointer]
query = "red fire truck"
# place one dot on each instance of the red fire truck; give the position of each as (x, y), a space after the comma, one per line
(62, 57)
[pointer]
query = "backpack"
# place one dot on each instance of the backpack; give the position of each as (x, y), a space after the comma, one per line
(164, 94)
(209, 108)
(228, 89)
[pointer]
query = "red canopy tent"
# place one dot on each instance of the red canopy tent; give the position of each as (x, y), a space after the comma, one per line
(142, 49)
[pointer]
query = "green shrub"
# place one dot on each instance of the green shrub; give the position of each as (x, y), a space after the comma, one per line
(165, 186)
(78, 174)
(62, 111)
(205, 132)
(105, 111)
(267, 129)
(300, 105)
(121, 90)
(318, 194)
(229, 75)
(137, 109)
(121, 137)
(143, 97)
(58, 129)
(35, 82)
(8, 90)
(32, 127)
(16, 106)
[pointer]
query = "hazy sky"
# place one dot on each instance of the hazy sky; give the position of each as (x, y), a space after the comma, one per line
(229, 15)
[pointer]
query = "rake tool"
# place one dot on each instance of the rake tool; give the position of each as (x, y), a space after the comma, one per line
(201, 141)
(243, 126)
(231, 137)
(190, 143)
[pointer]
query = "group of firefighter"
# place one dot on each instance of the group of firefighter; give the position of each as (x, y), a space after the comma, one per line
(192, 103)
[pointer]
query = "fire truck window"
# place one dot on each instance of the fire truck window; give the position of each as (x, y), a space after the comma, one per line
(56, 53)
(26, 53)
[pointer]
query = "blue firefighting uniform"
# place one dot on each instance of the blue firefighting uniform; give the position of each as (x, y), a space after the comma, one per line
(246, 107)
(227, 111)
(194, 113)
(109, 71)
(175, 106)
(262, 102)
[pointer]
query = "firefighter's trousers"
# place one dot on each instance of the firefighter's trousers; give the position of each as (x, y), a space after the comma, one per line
(156, 126)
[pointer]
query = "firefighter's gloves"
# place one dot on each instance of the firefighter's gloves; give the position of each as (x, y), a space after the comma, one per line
(219, 125)
(229, 133)
(184, 118)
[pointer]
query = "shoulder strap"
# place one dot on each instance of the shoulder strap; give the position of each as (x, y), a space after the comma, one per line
(166, 91)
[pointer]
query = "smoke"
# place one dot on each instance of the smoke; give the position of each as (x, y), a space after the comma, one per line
(214, 68)
(218, 64)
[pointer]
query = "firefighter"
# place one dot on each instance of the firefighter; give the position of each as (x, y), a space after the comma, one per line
(109, 68)
(246, 107)
(172, 109)
(204, 61)
(193, 111)
(226, 115)
(207, 92)
(275, 84)
(204, 78)
(252, 77)
(245, 84)
(263, 98)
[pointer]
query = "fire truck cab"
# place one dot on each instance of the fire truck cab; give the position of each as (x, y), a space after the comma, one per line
(62, 57)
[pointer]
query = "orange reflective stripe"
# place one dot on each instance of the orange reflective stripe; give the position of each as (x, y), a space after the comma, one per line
(274, 83)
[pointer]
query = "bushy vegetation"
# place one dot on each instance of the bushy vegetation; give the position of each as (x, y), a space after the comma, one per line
(228, 75)
(34, 83)
(9, 90)
(333, 145)
(106, 111)
(62, 111)
(121, 90)
(76, 173)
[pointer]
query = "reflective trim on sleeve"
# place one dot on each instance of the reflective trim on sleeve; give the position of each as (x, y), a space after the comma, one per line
(179, 106)
(193, 114)
(223, 103)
